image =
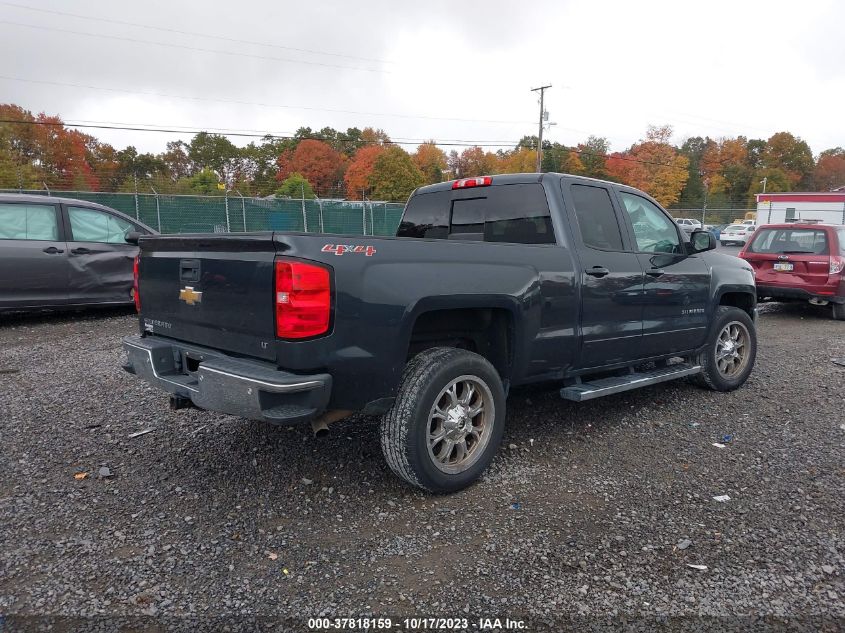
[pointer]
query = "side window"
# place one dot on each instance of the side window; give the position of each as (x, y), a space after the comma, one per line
(516, 214)
(28, 222)
(91, 225)
(501, 213)
(654, 231)
(426, 215)
(596, 218)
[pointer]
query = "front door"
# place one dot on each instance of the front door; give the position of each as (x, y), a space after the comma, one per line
(677, 285)
(100, 258)
(611, 278)
(33, 256)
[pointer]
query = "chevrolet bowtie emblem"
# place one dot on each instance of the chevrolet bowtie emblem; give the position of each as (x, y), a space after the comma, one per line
(190, 296)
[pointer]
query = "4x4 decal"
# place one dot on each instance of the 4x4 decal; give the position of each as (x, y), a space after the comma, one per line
(340, 249)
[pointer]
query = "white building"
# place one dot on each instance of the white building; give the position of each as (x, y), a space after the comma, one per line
(827, 207)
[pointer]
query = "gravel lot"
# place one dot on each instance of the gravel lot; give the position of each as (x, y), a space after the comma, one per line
(589, 511)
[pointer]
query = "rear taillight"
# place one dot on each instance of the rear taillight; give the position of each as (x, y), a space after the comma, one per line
(465, 183)
(303, 299)
(837, 264)
(135, 292)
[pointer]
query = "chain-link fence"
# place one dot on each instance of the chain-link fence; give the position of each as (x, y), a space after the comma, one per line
(712, 216)
(217, 214)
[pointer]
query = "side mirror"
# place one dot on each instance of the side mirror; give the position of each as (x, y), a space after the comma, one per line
(701, 241)
(132, 237)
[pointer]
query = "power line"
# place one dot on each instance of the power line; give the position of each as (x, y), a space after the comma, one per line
(121, 38)
(211, 129)
(256, 103)
(317, 137)
(194, 33)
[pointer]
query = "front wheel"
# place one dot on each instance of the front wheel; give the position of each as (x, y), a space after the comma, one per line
(731, 349)
(447, 421)
(839, 311)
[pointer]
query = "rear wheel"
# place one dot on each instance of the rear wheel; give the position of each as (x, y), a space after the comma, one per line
(447, 421)
(731, 349)
(839, 311)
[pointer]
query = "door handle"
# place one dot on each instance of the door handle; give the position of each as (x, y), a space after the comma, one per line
(52, 250)
(655, 272)
(597, 271)
(80, 251)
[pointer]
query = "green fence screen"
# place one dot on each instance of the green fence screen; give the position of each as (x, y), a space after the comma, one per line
(217, 214)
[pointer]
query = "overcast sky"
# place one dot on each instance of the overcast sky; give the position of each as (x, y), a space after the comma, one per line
(458, 71)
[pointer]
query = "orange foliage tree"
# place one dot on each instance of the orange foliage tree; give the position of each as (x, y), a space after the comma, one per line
(474, 161)
(431, 161)
(830, 170)
(652, 165)
(321, 165)
(520, 160)
(360, 170)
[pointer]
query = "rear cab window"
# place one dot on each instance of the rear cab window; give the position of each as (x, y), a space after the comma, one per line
(37, 222)
(597, 221)
(786, 241)
(513, 213)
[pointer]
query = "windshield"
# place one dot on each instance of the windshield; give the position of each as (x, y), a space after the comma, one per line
(736, 227)
(812, 241)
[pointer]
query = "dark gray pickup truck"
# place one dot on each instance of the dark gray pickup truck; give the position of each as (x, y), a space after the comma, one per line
(490, 283)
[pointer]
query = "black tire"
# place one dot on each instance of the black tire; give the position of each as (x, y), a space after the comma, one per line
(406, 426)
(839, 311)
(723, 242)
(711, 376)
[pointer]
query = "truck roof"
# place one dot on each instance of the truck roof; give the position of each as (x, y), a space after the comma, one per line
(517, 179)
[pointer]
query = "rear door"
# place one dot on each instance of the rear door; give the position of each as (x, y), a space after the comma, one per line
(790, 257)
(677, 286)
(610, 274)
(100, 258)
(33, 256)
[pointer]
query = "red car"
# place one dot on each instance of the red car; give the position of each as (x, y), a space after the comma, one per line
(799, 262)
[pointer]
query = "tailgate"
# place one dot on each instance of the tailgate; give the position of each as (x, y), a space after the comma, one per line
(211, 290)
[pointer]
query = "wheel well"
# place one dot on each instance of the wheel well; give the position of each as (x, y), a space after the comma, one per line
(485, 331)
(741, 300)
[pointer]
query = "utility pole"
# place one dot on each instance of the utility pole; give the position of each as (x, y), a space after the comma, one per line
(542, 90)
(763, 182)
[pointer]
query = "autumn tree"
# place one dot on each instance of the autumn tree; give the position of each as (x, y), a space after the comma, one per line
(593, 155)
(359, 172)
(517, 161)
(296, 186)
(561, 159)
(474, 161)
(726, 170)
(791, 155)
(377, 137)
(693, 148)
(653, 165)
(431, 161)
(321, 165)
(394, 175)
(776, 180)
(829, 172)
